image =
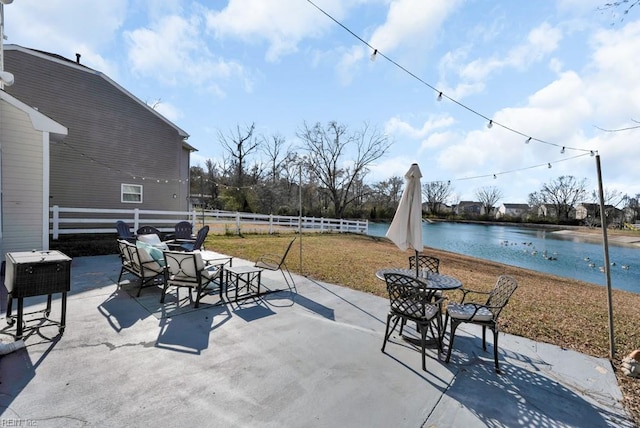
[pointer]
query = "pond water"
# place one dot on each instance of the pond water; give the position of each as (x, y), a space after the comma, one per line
(536, 249)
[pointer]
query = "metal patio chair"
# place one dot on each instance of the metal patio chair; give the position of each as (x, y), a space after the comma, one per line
(485, 315)
(124, 232)
(276, 262)
(147, 230)
(430, 263)
(410, 300)
(139, 263)
(187, 269)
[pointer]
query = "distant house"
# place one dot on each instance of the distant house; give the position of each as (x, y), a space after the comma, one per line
(585, 210)
(119, 152)
(469, 208)
(26, 139)
(512, 211)
(551, 211)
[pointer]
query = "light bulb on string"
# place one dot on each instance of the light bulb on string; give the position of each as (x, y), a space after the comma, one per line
(562, 151)
(490, 124)
(548, 165)
(528, 140)
(439, 96)
(592, 153)
(495, 176)
(374, 54)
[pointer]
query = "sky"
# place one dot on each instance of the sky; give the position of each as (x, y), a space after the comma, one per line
(564, 72)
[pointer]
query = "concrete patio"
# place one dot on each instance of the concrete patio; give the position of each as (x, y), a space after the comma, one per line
(307, 357)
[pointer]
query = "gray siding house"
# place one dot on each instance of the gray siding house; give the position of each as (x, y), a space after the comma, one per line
(119, 152)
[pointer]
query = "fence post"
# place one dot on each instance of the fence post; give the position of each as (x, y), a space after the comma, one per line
(136, 218)
(270, 224)
(56, 221)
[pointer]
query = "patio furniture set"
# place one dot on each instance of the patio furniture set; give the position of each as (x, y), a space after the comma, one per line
(416, 295)
(182, 261)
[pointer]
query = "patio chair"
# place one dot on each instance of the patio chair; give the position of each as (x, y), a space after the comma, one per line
(276, 262)
(140, 263)
(147, 230)
(430, 263)
(411, 301)
(124, 231)
(193, 245)
(187, 269)
(485, 314)
(182, 230)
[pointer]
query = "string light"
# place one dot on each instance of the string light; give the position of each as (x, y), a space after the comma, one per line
(439, 96)
(471, 110)
(373, 55)
(548, 165)
(490, 124)
(528, 140)
(562, 151)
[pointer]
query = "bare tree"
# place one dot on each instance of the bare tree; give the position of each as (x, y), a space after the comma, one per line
(488, 196)
(239, 146)
(436, 193)
(563, 193)
(624, 5)
(327, 149)
(275, 150)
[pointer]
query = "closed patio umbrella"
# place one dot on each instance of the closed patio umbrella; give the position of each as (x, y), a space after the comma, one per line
(406, 227)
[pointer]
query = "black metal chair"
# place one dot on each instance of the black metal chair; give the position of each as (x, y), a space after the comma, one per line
(197, 244)
(430, 263)
(485, 314)
(182, 234)
(186, 269)
(276, 262)
(147, 230)
(410, 300)
(124, 232)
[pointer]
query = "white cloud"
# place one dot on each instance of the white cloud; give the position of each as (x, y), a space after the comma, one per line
(67, 27)
(280, 23)
(173, 52)
(411, 25)
(401, 128)
(540, 42)
(170, 111)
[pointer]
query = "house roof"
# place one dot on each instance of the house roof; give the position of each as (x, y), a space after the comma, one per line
(517, 206)
(78, 66)
(39, 121)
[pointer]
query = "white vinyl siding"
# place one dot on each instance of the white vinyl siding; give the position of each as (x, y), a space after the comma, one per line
(22, 193)
(131, 193)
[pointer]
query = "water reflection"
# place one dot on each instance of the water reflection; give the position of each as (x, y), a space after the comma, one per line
(536, 249)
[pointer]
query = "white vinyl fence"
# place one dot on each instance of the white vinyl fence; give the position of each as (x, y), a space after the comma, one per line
(67, 221)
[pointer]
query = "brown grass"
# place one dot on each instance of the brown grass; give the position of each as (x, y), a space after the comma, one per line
(546, 308)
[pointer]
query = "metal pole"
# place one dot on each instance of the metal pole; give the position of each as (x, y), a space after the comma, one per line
(202, 199)
(605, 244)
(300, 212)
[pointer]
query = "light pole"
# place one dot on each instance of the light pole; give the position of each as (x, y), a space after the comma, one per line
(202, 198)
(302, 161)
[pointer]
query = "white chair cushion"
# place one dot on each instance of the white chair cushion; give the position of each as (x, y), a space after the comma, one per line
(465, 312)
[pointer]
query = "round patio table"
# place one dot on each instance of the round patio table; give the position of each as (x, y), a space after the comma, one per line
(433, 280)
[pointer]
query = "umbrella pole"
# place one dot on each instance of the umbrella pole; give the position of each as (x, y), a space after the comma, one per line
(417, 268)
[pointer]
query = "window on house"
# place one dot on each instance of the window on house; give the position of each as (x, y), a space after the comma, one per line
(131, 193)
